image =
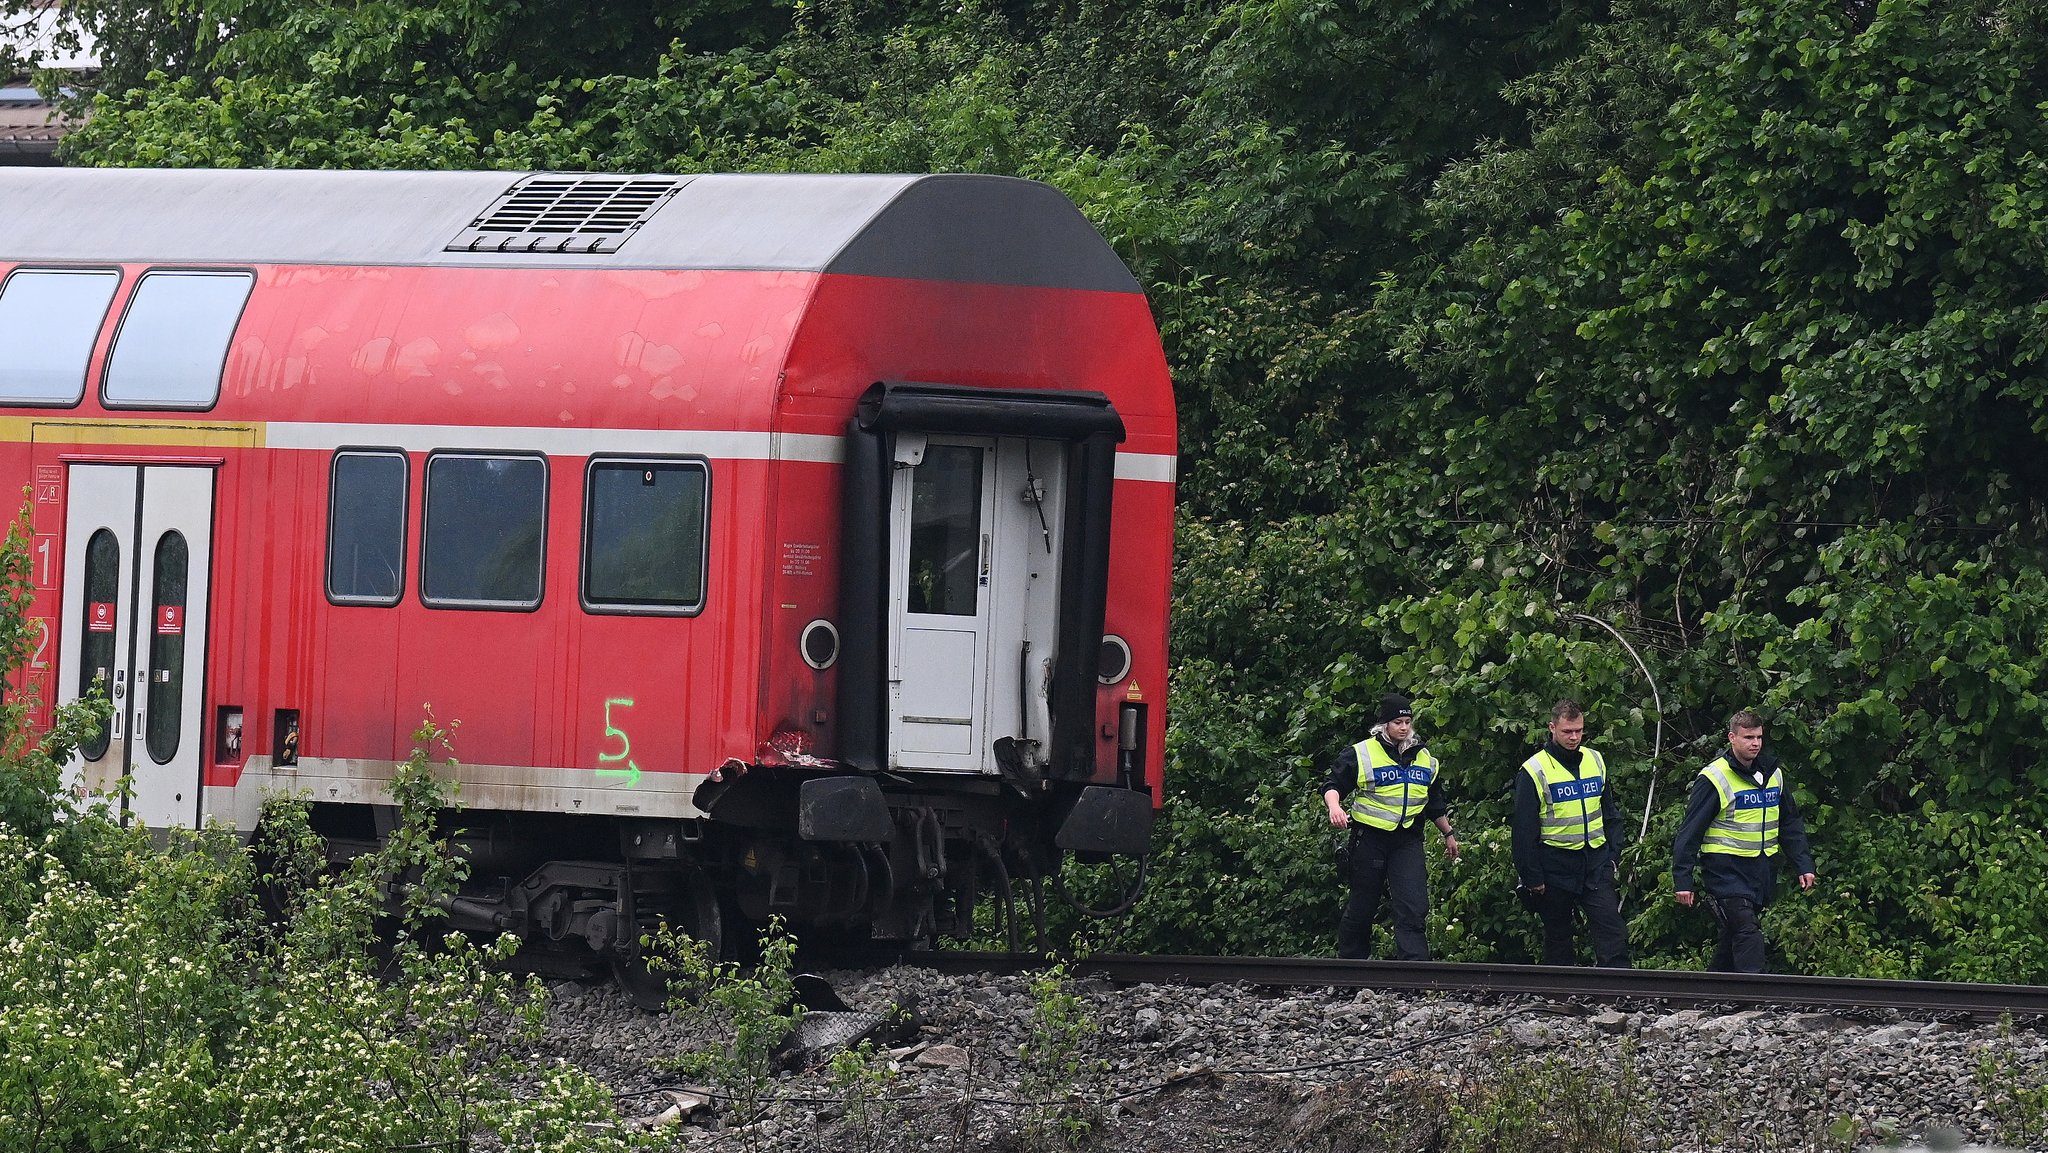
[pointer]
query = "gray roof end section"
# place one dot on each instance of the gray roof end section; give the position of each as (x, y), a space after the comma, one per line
(985, 230)
(976, 229)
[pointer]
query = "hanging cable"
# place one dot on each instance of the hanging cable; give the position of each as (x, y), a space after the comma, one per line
(1059, 882)
(1657, 737)
(1036, 497)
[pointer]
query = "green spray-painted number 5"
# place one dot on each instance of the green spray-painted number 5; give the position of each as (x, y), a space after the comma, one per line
(625, 744)
(611, 731)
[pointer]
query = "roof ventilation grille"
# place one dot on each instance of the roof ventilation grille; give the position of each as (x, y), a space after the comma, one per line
(569, 214)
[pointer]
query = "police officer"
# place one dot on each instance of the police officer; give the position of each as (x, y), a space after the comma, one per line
(1567, 841)
(1394, 785)
(1740, 821)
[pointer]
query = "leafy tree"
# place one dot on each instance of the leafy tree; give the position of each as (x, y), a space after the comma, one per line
(1720, 326)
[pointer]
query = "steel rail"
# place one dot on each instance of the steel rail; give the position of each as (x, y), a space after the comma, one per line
(1589, 984)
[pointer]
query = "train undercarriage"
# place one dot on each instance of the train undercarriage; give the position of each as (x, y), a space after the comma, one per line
(839, 859)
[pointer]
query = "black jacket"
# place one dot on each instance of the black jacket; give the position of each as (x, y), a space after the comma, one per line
(1343, 777)
(1725, 874)
(1570, 870)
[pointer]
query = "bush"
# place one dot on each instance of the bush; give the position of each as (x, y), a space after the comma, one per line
(148, 1002)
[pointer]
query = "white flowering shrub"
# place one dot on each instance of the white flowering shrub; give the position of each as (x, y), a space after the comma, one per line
(170, 993)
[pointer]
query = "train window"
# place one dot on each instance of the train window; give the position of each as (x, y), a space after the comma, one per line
(102, 610)
(643, 536)
(484, 532)
(366, 528)
(173, 339)
(166, 722)
(49, 319)
(945, 531)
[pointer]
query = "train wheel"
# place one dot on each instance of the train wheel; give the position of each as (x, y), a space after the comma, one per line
(684, 901)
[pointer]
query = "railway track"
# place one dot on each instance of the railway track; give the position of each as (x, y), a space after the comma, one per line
(1747, 990)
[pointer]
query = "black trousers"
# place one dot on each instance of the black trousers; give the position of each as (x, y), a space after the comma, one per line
(1390, 862)
(1602, 904)
(1740, 948)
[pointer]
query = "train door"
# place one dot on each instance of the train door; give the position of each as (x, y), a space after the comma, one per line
(975, 538)
(137, 551)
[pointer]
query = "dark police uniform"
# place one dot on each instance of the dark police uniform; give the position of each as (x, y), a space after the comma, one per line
(1737, 826)
(1391, 792)
(1567, 840)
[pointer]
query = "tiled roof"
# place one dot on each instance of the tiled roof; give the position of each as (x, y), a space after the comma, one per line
(29, 125)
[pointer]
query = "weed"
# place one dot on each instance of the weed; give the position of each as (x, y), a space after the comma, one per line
(869, 1120)
(2018, 1103)
(1493, 1107)
(1547, 1104)
(757, 1008)
(1053, 1064)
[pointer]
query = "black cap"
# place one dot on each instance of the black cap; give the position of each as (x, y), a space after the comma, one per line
(1393, 707)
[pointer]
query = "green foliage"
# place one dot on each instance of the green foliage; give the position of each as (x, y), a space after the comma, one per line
(1246, 841)
(31, 764)
(1499, 1103)
(1468, 919)
(111, 1019)
(2016, 1097)
(1551, 1104)
(1924, 894)
(129, 41)
(870, 1121)
(433, 1032)
(756, 1008)
(264, 123)
(1826, 525)
(1055, 1064)
(148, 1003)
(1720, 325)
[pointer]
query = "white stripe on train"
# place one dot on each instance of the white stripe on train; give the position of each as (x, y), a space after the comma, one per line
(591, 441)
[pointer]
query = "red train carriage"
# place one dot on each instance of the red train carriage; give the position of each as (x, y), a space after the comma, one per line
(782, 544)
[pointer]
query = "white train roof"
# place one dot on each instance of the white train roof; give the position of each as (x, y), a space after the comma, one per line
(972, 229)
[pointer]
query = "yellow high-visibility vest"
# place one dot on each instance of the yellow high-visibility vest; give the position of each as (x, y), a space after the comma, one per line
(1390, 794)
(1748, 824)
(1570, 812)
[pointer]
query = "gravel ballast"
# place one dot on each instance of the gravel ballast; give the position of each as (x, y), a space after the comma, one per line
(1227, 1068)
